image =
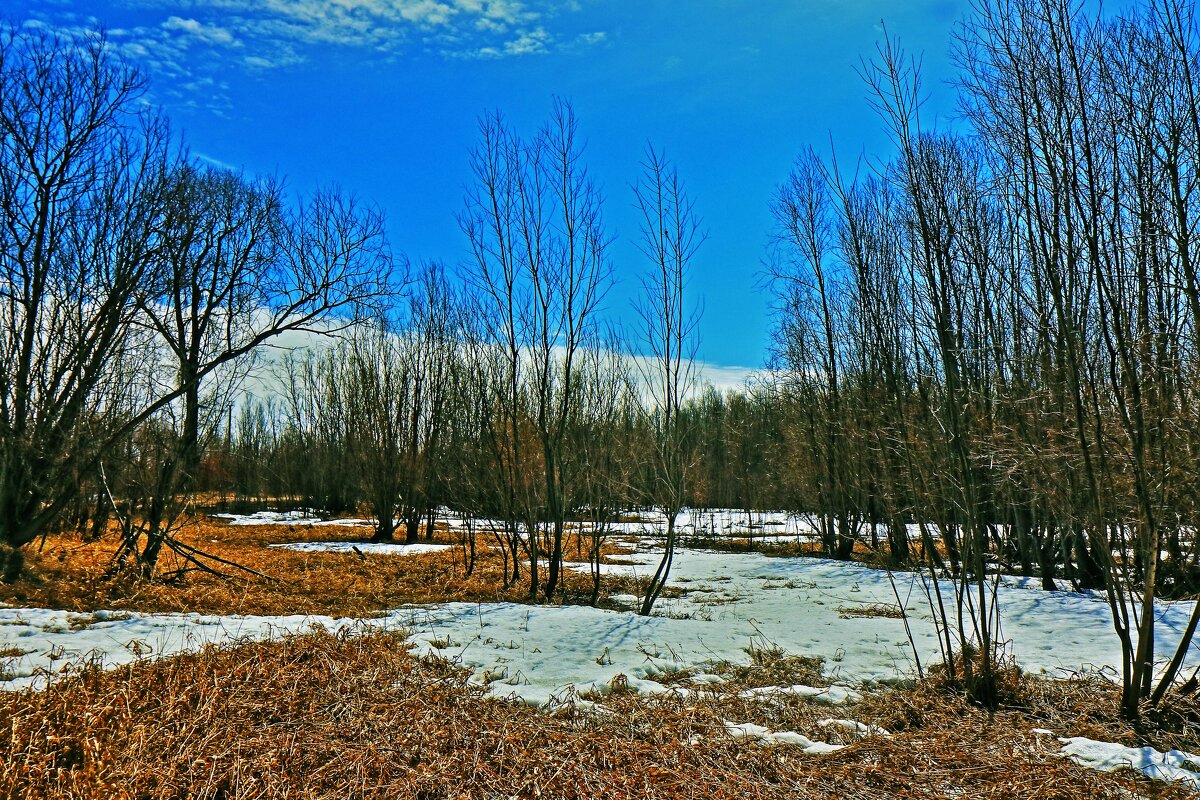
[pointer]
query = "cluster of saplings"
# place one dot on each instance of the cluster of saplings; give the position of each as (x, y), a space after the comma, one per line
(986, 351)
(994, 332)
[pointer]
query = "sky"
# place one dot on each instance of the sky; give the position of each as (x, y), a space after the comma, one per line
(383, 98)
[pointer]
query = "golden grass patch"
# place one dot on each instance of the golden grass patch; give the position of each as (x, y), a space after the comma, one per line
(325, 715)
(72, 574)
(887, 610)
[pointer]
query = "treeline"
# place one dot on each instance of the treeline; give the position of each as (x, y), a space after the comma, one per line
(740, 454)
(994, 332)
(140, 287)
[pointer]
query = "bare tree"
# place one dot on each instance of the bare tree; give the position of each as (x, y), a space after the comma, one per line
(82, 169)
(540, 267)
(811, 329)
(239, 271)
(432, 345)
(601, 456)
(670, 236)
(221, 234)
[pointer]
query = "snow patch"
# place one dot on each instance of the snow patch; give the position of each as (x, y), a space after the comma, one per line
(748, 730)
(830, 695)
(305, 517)
(52, 641)
(1174, 765)
(366, 548)
(855, 727)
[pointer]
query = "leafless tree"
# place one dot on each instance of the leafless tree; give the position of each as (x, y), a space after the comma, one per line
(82, 168)
(671, 234)
(540, 268)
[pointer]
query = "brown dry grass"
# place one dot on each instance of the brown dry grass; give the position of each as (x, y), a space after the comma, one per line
(332, 716)
(72, 574)
(336, 716)
(888, 610)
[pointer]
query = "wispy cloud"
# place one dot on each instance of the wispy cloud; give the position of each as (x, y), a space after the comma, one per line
(209, 34)
(524, 43)
(388, 27)
(191, 45)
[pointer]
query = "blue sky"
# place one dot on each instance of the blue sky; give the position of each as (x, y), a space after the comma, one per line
(383, 96)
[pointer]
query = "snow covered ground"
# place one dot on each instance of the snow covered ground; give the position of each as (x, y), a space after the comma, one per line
(729, 602)
(304, 517)
(366, 548)
(734, 601)
(49, 640)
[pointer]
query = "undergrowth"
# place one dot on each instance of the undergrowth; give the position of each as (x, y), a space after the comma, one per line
(76, 575)
(324, 715)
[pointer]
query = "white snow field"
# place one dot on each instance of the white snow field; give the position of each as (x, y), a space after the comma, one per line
(365, 548)
(306, 517)
(53, 640)
(733, 601)
(546, 654)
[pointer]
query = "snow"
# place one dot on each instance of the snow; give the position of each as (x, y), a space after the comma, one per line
(366, 548)
(1174, 765)
(735, 601)
(727, 522)
(767, 736)
(305, 517)
(831, 695)
(857, 728)
(56, 640)
(728, 603)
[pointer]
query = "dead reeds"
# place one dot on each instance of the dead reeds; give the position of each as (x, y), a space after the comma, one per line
(77, 575)
(325, 715)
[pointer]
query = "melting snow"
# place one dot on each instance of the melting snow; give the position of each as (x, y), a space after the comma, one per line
(366, 548)
(728, 602)
(1174, 765)
(857, 728)
(54, 640)
(290, 518)
(832, 695)
(767, 736)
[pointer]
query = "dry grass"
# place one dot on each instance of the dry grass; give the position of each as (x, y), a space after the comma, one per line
(336, 716)
(888, 610)
(74, 575)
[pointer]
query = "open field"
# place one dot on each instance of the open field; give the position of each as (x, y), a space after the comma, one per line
(327, 716)
(69, 573)
(757, 677)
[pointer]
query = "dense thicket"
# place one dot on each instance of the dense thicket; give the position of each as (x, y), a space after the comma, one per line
(994, 332)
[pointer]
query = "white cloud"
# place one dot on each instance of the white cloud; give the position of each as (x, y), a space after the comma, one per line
(375, 24)
(427, 12)
(263, 381)
(181, 44)
(526, 43)
(529, 42)
(723, 378)
(210, 34)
